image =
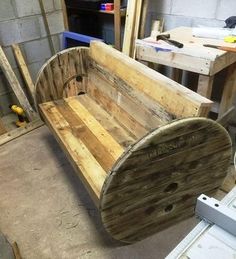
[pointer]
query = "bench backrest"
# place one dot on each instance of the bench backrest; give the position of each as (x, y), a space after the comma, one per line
(173, 100)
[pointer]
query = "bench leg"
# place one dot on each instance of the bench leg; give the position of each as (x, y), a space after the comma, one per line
(229, 90)
(205, 85)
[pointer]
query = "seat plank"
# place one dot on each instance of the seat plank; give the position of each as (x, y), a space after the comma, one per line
(119, 133)
(105, 138)
(90, 171)
(82, 132)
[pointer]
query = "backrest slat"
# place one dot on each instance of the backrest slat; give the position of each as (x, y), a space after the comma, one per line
(173, 97)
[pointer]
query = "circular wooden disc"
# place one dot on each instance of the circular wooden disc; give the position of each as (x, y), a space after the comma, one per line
(62, 75)
(156, 182)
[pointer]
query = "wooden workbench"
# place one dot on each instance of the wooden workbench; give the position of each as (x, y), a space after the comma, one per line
(194, 57)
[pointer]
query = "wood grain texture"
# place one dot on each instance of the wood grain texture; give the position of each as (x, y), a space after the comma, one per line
(2, 127)
(90, 148)
(142, 169)
(24, 69)
(15, 86)
(156, 182)
(173, 97)
(64, 75)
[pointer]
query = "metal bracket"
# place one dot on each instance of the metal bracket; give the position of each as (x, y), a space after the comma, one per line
(214, 212)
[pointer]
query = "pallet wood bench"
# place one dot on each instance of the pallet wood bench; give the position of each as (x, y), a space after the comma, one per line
(138, 140)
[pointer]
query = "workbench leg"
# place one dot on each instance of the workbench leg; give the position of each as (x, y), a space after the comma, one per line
(177, 75)
(229, 91)
(205, 85)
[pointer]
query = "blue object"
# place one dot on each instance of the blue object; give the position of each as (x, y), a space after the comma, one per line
(103, 7)
(80, 38)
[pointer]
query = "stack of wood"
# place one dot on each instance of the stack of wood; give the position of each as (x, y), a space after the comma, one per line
(23, 100)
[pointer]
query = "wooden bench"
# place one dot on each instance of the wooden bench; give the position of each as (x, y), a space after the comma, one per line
(137, 139)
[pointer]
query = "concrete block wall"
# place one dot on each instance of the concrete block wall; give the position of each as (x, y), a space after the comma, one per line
(190, 12)
(21, 22)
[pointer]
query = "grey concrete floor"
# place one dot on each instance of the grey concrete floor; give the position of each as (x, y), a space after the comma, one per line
(47, 211)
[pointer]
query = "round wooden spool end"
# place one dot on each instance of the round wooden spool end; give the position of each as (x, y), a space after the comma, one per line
(156, 182)
(63, 75)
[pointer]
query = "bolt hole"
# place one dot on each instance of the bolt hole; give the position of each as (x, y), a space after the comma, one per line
(79, 78)
(217, 205)
(81, 93)
(171, 188)
(169, 208)
(204, 198)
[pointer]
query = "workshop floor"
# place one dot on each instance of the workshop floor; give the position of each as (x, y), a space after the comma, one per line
(47, 211)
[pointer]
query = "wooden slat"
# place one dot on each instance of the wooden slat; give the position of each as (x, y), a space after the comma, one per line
(13, 134)
(115, 86)
(2, 127)
(104, 137)
(24, 69)
(16, 87)
(65, 16)
(117, 24)
(57, 78)
(136, 26)
(156, 182)
(175, 98)
(84, 163)
(143, 19)
(85, 134)
(229, 91)
(129, 27)
(120, 134)
(205, 84)
(126, 120)
(45, 20)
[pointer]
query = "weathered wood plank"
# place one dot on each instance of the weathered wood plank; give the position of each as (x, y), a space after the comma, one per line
(16, 87)
(2, 127)
(63, 75)
(24, 69)
(13, 134)
(161, 176)
(205, 84)
(175, 98)
(229, 91)
(121, 116)
(120, 134)
(85, 134)
(143, 102)
(88, 169)
(96, 128)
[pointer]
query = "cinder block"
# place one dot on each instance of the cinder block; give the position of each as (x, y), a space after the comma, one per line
(207, 22)
(37, 50)
(55, 21)
(27, 7)
(195, 8)
(173, 21)
(163, 7)
(9, 33)
(57, 4)
(226, 8)
(48, 5)
(6, 10)
(29, 28)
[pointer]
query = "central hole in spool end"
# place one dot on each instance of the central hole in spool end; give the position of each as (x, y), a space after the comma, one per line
(171, 188)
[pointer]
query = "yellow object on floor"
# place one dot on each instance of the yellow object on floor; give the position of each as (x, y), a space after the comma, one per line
(20, 113)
